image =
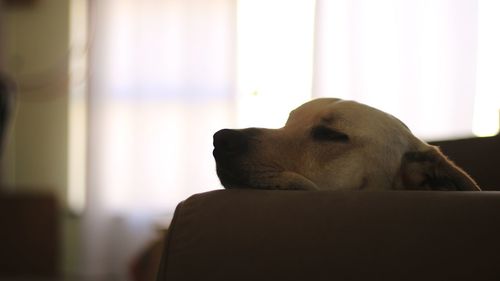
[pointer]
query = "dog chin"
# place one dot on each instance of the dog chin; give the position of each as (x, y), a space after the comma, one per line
(283, 181)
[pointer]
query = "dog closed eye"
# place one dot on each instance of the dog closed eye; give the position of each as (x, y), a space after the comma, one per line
(323, 133)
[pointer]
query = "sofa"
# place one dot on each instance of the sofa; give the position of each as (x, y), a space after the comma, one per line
(29, 236)
(334, 235)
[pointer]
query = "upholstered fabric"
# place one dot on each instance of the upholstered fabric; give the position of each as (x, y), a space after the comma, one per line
(334, 235)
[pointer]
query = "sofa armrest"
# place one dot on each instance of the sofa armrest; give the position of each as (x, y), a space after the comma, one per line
(334, 235)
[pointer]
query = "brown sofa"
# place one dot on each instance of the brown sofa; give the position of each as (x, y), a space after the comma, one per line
(29, 236)
(334, 235)
(478, 156)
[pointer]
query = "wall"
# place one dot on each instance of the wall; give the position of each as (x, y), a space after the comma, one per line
(35, 45)
(34, 51)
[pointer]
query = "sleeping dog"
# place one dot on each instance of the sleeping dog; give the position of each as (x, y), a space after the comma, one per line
(333, 144)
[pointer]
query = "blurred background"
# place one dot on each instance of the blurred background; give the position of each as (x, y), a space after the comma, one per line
(108, 107)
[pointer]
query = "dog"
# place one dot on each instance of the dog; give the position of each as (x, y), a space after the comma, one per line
(331, 144)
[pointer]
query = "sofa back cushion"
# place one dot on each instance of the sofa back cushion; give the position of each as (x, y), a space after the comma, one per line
(334, 235)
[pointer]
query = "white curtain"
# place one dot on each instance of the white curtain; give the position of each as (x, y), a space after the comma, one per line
(432, 63)
(161, 83)
(166, 74)
(414, 59)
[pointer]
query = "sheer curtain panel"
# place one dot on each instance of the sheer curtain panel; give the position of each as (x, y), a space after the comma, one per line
(161, 82)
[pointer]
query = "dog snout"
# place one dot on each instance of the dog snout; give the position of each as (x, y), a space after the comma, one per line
(229, 141)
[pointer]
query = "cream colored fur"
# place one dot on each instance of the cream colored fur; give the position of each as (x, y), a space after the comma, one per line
(333, 144)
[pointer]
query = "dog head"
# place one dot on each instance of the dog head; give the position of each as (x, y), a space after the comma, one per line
(334, 144)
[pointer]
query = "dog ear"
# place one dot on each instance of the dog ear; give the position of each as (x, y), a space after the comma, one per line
(431, 170)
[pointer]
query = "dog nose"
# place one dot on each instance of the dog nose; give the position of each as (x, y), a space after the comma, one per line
(230, 141)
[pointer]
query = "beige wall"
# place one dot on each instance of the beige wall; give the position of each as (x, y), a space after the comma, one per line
(35, 48)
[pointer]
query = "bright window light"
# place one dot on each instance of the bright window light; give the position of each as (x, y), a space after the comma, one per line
(426, 62)
(487, 103)
(275, 59)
